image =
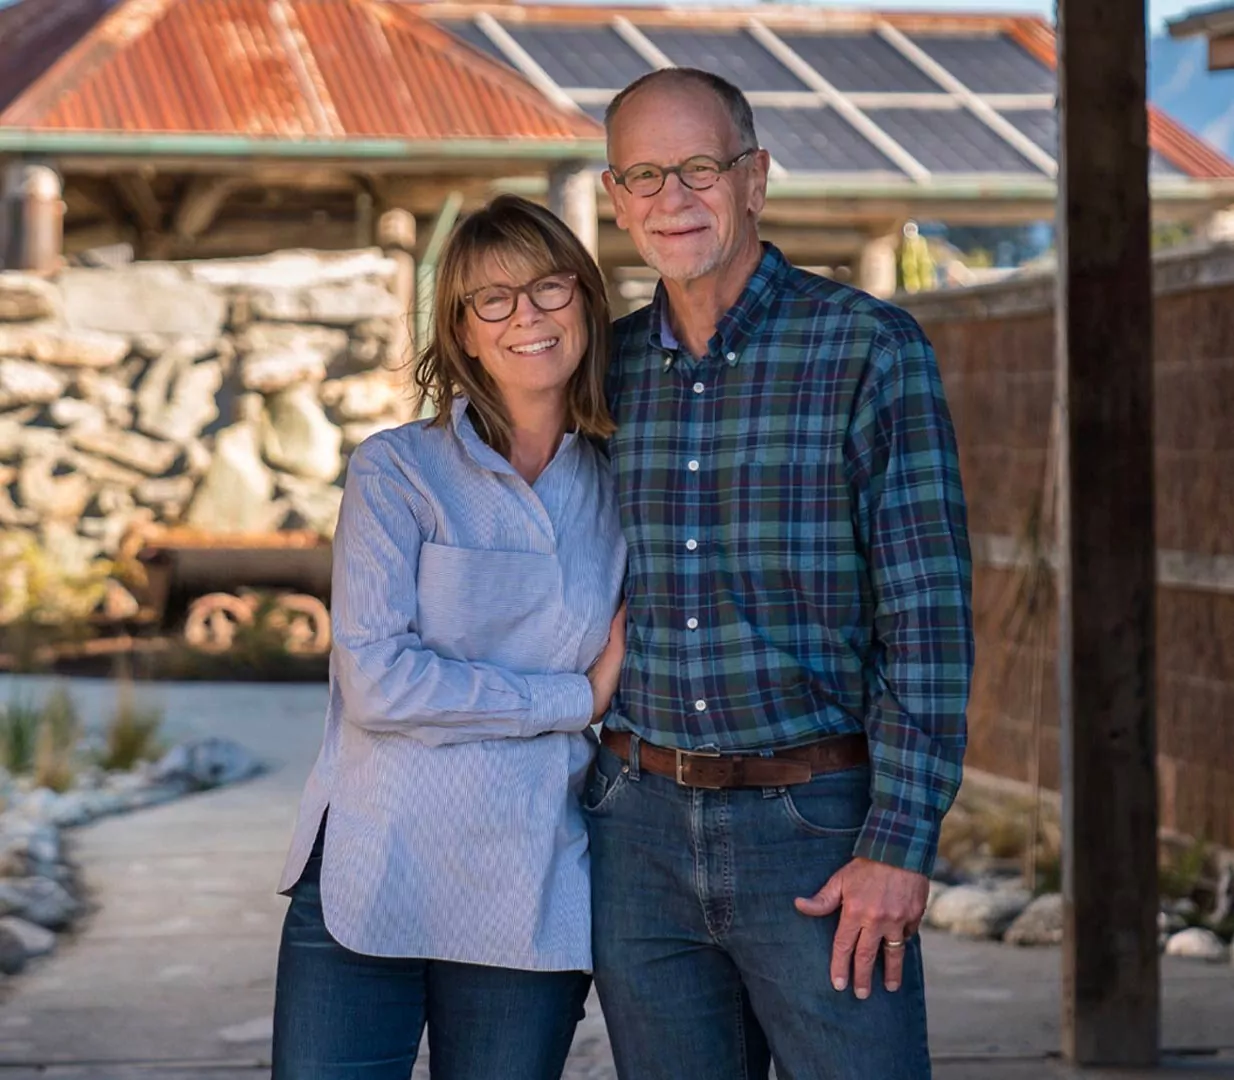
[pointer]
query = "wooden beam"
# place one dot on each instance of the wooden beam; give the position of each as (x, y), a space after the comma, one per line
(137, 195)
(1111, 1007)
(201, 203)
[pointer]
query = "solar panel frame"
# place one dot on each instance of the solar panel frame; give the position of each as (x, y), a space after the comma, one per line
(755, 68)
(988, 63)
(818, 140)
(859, 63)
(1041, 125)
(468, 31)
(607, 63)
(951, 141)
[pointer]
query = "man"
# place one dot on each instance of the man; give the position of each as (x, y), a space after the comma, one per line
(789, 729)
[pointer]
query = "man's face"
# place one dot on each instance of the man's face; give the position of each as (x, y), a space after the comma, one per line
(685, 234)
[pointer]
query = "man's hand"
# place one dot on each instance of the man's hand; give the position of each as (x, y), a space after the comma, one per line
(879, 905)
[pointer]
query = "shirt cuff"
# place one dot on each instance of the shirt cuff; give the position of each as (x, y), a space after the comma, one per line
(911, 843)
(559, 702)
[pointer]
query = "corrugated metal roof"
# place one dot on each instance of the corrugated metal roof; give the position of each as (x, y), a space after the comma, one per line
(284, 69)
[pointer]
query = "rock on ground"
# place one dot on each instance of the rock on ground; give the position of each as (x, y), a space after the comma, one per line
(1196, 943)
(1041, 923)
(973, 911)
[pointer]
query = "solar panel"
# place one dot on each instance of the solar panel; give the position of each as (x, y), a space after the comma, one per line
(989, 65)
(475, 37)
(581, 56)
(1041, 125)
(817, 140)
(950, 140)
(860, 63)
(733, 54)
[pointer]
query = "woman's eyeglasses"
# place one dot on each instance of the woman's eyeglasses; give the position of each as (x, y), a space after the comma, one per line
(495, 303)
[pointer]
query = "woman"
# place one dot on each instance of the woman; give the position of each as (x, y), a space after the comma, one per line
(438, 871)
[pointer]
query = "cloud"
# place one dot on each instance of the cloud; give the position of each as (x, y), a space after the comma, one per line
(1220, 132)
(1188, 68)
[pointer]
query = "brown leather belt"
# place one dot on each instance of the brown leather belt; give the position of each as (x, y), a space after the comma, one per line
(715, 771)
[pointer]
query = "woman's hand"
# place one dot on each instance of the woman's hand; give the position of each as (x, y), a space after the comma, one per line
(606, 671)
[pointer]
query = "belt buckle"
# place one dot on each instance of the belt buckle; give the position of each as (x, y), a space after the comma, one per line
(679, 757)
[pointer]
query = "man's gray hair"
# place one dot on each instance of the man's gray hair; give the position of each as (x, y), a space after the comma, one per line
(734, 100)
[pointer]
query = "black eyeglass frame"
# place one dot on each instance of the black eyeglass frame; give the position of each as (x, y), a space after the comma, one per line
(518, 290)
(666, 170)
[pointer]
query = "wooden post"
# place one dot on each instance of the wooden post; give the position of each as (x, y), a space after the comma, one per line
(572, 197)
(1107, 579)
(877, 265)
(32, 226)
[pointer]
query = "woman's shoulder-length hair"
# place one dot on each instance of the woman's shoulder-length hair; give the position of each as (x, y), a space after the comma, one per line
(513, 230)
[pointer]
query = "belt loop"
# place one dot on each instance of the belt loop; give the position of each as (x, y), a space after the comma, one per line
(633, 761)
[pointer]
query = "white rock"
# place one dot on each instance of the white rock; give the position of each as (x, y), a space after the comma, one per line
(235, 494)
(128, 448)
(363, 397)
(192, 406)
(72, 554)
(36, 940)
(65, 348)
(937, 888)
(206, 763)
(971, 911)
(26, 835)
(1041, 923)
(143, 298)
(294, 269)
(317, 505)
(104, 390)
(23, 382)
(38, 900)
(341, 304)
(298, 438)
(13, 430)
(24, 297)
(73, 412)
(61, 497)
(102, 471)
(171, 489)
(273, 361)
(1196, 943)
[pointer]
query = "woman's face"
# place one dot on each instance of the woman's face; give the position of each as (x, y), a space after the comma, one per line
(530, 352)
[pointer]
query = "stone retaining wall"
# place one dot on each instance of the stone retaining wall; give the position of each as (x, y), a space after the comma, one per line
(223, 395)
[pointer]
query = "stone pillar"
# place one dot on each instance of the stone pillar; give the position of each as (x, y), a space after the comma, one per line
(31, 218)
(572, 197)
(396, 233)
(876, 272)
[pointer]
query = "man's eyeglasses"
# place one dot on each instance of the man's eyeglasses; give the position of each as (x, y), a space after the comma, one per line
(495, 303)
(697, 173)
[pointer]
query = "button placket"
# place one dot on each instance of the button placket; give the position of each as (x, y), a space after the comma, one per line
(692, 480)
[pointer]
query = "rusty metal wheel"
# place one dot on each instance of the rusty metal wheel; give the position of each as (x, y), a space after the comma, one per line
(213, 619)
(304, 622)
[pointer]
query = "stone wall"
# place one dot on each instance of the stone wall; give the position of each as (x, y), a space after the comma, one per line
(223, 395)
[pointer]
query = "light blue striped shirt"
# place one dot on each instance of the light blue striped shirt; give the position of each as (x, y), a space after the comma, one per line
(465, 605)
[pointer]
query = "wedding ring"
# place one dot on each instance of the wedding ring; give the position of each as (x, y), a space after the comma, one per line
(893, 944)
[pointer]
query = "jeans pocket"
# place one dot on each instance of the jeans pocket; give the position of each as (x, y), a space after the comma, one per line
(608, 778)
(832, 805)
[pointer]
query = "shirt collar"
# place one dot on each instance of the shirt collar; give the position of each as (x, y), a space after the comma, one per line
(480, 451)
(738, 325)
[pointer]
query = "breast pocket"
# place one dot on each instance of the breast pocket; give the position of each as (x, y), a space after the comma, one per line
(500, 607)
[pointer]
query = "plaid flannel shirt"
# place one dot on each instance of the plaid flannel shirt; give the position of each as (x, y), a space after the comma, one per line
(798, 552)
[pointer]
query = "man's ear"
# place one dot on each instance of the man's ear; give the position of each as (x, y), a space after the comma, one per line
(757, 197)
(617, 194)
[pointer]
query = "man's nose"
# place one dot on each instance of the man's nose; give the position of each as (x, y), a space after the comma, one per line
(674, 193)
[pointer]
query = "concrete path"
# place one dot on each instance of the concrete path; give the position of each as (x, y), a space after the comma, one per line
(172, 977)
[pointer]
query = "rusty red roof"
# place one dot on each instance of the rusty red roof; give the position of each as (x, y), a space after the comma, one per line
(279, 69)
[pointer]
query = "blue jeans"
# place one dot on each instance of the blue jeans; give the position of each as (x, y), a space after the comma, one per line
(704, 968)
(341, 1015)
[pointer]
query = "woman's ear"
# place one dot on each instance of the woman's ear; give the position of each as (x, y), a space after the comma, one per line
(467, 338)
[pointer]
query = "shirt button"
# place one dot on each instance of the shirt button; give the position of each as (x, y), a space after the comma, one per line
(691, 544)
(730, 356)
(692, 623)
(692, 466)
(698, 387)
(700, 705)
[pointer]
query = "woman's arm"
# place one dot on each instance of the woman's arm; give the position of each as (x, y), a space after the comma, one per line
(389, 681)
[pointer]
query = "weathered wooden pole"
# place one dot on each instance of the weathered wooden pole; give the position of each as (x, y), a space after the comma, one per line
(1106, 539)
(32, 208)
(572, 197)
